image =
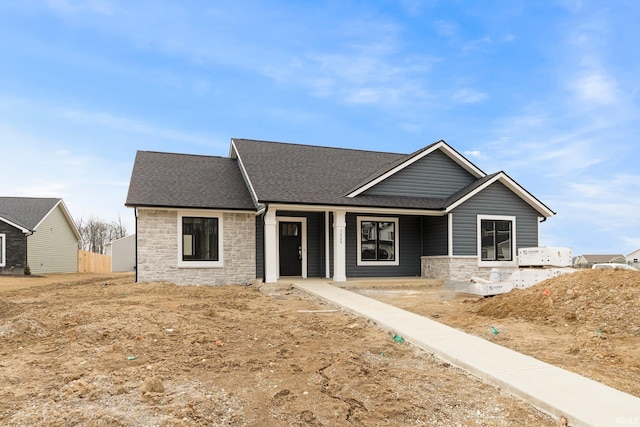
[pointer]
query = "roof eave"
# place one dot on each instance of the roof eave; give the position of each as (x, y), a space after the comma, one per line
(175, 207)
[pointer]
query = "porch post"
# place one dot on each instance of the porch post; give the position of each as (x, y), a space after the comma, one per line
(327, 253)
(270, 247)
(339, 246)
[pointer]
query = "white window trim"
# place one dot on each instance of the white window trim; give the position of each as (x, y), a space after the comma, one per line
(514, 258)
(3, 255)
(201, 264)
(396, 240)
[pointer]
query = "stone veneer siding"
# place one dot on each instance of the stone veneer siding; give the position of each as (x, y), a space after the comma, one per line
(457, 269)
(158, 250)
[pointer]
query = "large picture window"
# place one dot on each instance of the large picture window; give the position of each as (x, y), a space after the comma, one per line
(199, 240)
(497, 239)
(378, 241)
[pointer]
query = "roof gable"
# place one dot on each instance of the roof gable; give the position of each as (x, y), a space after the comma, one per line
(27, 213)
(483, 183)
(388, 171)
(433, 175)
(187, 181)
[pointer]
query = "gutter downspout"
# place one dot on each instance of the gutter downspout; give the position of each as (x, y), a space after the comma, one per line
(26, 249)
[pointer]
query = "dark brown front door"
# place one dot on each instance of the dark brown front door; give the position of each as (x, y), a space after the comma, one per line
(290, 249)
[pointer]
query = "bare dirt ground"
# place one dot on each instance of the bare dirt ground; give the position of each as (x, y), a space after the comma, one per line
(587, 322)
(100, 350)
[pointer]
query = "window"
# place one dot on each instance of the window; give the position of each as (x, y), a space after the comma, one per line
(199, 240)
(3, 260)
(496, 239)
(378, 243)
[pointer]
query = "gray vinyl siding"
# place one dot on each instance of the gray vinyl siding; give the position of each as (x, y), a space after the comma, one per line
(409, 250)
(53, 247)
(494, 200)
(435, 235)
(260, 247)
(435, 175)
(315, 241)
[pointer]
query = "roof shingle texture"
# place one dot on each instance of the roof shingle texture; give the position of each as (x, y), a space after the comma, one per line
(26, 212)
(187, 181)
(294, 173)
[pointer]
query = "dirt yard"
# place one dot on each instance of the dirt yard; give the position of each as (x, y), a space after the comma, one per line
(100, 350)
(589, 322)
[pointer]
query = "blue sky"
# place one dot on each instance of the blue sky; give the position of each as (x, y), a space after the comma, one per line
(548, 91)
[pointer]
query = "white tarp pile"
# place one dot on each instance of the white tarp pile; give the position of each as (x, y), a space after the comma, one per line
(534, 266)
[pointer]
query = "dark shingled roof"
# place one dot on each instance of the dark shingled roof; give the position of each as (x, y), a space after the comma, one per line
(279, 173)
(187, 181)
(26, 212)
(306, 174)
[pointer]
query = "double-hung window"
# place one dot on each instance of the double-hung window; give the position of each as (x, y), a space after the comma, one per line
(378, 241)
(496, 240)
(199, 240)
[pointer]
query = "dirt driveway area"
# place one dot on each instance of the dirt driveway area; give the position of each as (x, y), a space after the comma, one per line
(101, 350)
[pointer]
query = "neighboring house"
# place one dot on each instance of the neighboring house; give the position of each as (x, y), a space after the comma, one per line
(123, 253)
(634, 258)
(272, 210)
(37, 231)
(587, 261)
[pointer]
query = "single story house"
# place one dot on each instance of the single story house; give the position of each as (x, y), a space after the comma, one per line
(272, 210)
(123, 253)
(39, 232)
(587, 261)
(634, 258)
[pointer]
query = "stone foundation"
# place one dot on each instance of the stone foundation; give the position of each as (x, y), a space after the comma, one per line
(457, 269)
(158, 250)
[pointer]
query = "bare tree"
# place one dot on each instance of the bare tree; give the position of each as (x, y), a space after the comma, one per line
(96, 233)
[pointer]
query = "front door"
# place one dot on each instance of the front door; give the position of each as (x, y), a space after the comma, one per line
(290, 248)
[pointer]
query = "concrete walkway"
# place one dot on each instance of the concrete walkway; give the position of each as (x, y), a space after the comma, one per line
(553, 390)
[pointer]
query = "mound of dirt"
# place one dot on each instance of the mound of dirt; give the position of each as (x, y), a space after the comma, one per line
(605, 301)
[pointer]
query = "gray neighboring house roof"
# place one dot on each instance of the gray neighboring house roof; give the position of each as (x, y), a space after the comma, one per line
(187, 181)
(26, 212)
(600, 258)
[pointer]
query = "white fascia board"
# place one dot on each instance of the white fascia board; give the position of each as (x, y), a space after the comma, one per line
(441, 145)
(13, 224)
(355, 209)
(234, 154)
(66, 214)
(511, 185)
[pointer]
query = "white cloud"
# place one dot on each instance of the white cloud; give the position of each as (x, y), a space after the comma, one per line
(445, 28)
(75, 6)
(595, 87)
(468, 96)
(473, 153)
(135, 126)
